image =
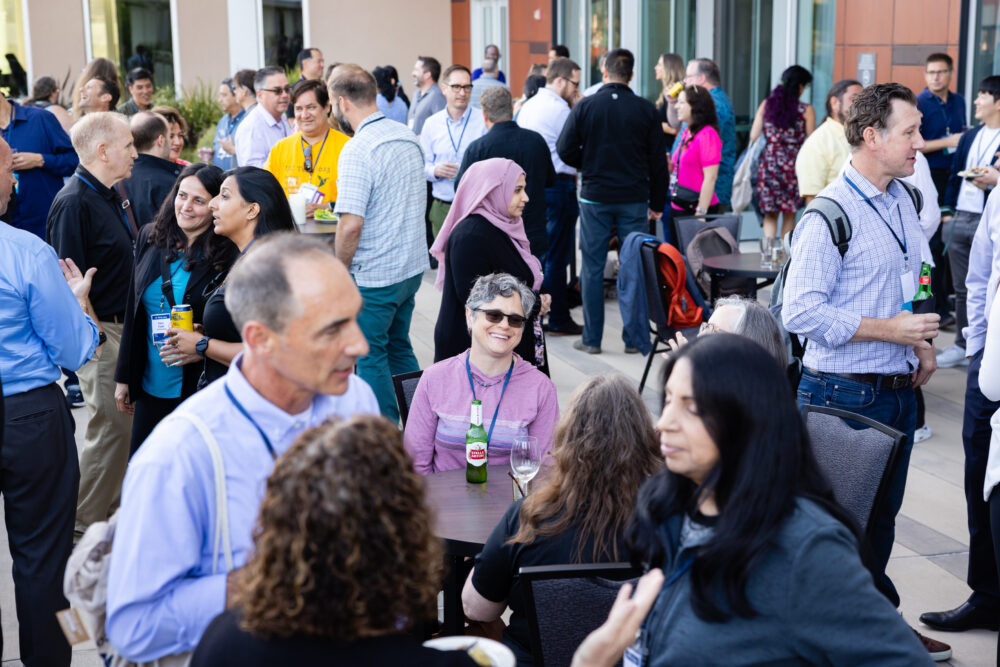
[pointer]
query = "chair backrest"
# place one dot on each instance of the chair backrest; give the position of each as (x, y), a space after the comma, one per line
(653, 283)
(405, 384)
(857, 462)
(565, 603)
(686, 226)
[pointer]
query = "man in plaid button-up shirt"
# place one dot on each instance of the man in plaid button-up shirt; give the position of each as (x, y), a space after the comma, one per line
(865, 351)
(381, 198)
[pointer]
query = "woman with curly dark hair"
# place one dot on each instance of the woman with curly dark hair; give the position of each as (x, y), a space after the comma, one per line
(605, 448)
(179, 259)
(345, 560)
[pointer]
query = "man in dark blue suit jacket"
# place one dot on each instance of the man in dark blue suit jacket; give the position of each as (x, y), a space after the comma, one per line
(525, 147)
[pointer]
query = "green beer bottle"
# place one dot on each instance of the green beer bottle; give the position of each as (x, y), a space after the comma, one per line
(924, 290)
(475, 447)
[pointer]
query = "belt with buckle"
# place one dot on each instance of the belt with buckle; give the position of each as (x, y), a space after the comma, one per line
(900, 381)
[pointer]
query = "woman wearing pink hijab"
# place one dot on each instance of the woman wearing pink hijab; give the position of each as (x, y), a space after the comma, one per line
(484, 234)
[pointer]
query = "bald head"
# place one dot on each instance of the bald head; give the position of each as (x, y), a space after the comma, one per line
(151, 134)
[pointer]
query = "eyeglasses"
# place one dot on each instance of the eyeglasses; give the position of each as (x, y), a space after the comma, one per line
(708, 328)
(278, 91)
(938, 72)
(496, 317)
(458, 88)
(575, 83)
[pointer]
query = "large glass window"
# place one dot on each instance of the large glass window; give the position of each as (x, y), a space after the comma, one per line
(817, 23)
(14, 78)
(573, 31)
(668, 27)
(282, 32)
(743, 46)
(134, 33)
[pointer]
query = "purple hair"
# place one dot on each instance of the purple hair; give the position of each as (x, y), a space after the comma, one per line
(781, 109)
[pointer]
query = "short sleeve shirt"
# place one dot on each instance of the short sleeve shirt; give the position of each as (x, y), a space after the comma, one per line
(704, 150)
(287, 162)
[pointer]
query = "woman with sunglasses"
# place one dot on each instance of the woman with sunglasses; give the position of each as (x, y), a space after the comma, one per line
(483, 234)
(179, 260)
(517, 399)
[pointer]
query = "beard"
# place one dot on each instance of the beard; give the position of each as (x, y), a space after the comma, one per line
(345, 125)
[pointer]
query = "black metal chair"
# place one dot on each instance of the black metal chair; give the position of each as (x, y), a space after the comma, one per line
(656, 297)
(405, 384)
(565, 603)
(857, 462)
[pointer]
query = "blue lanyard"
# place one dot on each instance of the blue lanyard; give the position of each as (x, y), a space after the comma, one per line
(503, 390)
(263, 436)
(90, 185)
(678, 572)
(901, 243)
(447, 126)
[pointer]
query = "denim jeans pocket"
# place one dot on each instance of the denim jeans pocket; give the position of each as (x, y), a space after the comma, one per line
(849, 394)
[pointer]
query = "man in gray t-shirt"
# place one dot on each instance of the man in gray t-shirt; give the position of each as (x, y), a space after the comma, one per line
(428, 98)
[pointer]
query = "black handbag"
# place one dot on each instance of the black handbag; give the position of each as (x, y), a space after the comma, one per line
(684, 198)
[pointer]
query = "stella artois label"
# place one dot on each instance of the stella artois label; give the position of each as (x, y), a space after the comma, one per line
(475, 453)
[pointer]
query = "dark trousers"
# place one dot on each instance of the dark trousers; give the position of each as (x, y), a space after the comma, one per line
(895, 408)
(976, 433)
(149, 411)
(959, 233)
(994, 512)
(561, 212)
(39, 480)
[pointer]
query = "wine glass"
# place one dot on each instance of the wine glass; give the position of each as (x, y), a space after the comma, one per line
(525, 459)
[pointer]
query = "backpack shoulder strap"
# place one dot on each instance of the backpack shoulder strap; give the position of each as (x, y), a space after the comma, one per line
(674, 256)
(915, 194)
(221, 502)
(836, 221)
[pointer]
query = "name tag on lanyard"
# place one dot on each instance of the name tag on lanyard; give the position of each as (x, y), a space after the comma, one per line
(159, 325)
(970, 198)
(907, 288)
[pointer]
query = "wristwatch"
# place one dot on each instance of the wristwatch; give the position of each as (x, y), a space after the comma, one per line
(202, 345)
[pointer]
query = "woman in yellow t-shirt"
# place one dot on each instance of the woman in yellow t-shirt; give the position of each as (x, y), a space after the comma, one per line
(307, 160)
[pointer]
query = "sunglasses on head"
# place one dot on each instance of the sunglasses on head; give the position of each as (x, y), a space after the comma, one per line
(496, 317)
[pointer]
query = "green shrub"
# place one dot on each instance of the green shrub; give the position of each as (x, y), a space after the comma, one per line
(197, 106)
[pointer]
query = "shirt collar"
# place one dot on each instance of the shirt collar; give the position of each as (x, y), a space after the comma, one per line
(553, 94)
(274, 421)
(463, 119)
(867, 187)
(368, 121)
(105, 192)
(269, 119)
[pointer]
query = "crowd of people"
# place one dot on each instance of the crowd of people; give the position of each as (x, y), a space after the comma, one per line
(244, 481)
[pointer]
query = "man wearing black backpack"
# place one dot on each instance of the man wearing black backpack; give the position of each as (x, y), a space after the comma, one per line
(866, 349)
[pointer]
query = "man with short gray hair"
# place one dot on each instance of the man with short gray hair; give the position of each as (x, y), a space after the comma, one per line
(504, 138)
(88, 224)
(265, 125)
(301, 340)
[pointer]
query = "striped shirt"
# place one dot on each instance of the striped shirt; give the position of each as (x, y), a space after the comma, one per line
(380, 178)
(826, 296)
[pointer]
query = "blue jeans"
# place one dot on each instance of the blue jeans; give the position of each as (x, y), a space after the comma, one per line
(385, 321)
(596, 221)
(896, 408)
(976, 434)
(561, 211)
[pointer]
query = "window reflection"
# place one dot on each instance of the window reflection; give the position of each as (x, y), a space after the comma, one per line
(134, 33)
(282, 32)
(14, 79)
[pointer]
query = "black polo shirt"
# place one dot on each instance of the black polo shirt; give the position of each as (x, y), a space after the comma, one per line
(528, 149)
(87, 224)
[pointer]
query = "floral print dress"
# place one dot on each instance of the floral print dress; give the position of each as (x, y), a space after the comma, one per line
(777, 187)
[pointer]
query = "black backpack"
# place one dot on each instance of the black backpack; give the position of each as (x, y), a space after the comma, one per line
(839, 226)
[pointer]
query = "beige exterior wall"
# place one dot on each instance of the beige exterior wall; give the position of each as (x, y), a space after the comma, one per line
(203, 42)
(57, 42)
(382, 32)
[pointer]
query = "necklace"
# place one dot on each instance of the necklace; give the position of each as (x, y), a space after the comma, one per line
(485, 384)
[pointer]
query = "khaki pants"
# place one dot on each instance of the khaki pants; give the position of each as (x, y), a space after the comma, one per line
(439, 211)
(105, 449)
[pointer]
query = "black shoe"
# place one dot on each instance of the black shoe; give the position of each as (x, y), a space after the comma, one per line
(74, 397)
(570, 329)
(964, 617)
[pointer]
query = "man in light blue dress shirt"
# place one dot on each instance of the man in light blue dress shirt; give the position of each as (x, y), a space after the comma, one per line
(301, 340)
(265, 124)
(445, 137)
(866, 352)
(44, 327)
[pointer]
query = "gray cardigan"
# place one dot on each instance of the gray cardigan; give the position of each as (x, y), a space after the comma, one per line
(816, 604)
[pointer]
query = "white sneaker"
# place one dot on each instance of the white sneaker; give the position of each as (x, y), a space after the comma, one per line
(951, 357)
(922, 433)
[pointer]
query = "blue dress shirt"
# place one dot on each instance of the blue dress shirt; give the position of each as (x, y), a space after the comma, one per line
(939, 120)
(161, 590)
(36, 130)
(226, 129)
(43, 325)
(826, 295)
(396, 111)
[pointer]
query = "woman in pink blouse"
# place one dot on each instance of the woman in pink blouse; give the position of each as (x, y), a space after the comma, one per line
(694, 165)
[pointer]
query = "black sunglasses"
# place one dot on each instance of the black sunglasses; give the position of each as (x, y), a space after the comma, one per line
(496, 317)
(279, 90)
